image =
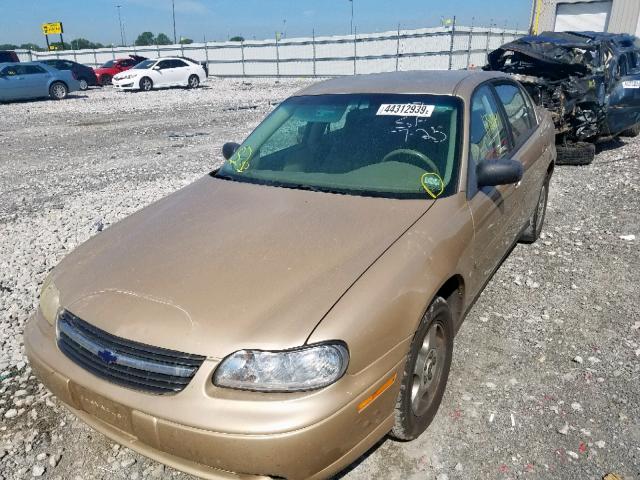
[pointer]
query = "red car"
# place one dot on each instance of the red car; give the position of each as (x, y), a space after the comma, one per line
(106, 71)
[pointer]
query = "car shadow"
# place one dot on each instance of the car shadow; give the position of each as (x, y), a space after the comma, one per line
(71, 96)
(610, 144)
(360, 459)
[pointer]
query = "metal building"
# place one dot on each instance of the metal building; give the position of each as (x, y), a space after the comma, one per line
(616, 16)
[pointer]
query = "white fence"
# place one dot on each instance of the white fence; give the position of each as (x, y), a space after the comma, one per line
(423, 49)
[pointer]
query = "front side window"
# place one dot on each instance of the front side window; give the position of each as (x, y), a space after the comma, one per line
(489, 139)
(144, 65)
(400, 146)
(518, 113)
(164, 64)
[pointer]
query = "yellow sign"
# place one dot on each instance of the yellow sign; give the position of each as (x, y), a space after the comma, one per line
(52, 28)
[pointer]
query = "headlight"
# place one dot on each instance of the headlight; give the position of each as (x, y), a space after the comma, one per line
(305, 368)
(49, 300)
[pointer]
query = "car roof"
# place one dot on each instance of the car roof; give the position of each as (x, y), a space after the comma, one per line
(434, 82)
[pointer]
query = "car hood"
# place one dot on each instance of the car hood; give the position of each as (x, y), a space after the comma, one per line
(220, 266)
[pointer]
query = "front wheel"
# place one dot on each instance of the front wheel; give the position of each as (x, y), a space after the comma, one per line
(193, 82)
(58, 91)
(105, 80)
(84, 85)
(425, 373)
(631, 132)
(146, 84)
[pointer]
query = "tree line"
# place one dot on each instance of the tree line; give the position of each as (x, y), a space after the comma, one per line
(144, 39)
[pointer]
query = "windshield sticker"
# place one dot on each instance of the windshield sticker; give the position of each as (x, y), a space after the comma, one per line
(406, 109)
(240, 160)
(432, 183)
(410, 128)
(631, 84)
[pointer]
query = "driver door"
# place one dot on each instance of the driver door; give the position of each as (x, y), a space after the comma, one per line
(494, 209)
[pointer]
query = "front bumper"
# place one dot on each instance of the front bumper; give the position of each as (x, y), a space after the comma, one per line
(129, 84)
(218, 433)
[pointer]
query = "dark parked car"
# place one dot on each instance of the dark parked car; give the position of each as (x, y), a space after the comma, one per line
(589, 81)
(8, 56)
(85, 75)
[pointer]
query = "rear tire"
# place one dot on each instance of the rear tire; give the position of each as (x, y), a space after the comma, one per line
(425, 373)
(58, 91)
(84, 84)
(631, 132)
(579, 153)
(536, 222)
(146, 84)
(193, 82)
(105, 80)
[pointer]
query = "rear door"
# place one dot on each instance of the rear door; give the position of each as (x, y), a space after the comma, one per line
(36, 81)
(494, 209)
(624, 98)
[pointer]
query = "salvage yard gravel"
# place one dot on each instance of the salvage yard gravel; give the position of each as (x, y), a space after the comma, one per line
(545, 380)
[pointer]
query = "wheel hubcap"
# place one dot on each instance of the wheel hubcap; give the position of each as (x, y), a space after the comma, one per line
(58, 91)
(428, 369)
(83, 85)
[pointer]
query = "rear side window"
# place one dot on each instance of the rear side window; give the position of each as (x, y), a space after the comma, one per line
(519, 114)
(33, 69)
(489, 139)
(179, 64)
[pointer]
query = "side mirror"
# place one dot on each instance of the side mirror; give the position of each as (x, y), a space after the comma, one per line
(229, 148)
(499, 172)
(156, 67)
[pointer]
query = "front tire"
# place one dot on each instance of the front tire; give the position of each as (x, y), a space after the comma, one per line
(146, 84)
(536, 222)
(58, 91)
(105, 80)
(425, 373)
(84, 85)
(193, 82)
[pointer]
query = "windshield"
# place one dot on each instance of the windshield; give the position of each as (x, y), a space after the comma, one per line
(401, 146)
(108, 64)
(144, 65)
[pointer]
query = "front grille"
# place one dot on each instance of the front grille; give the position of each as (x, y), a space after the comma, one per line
(131, 364)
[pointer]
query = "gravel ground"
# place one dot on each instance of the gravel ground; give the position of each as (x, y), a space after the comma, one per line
(545, 381)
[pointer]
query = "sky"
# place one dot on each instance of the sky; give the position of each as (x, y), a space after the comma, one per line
(97, 20)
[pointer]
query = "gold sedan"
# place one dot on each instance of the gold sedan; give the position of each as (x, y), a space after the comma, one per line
(279, 316)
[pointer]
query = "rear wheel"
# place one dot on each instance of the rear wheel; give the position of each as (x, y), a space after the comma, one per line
(631, 132)
(146, 84)
(58, 91)
(425, 373)
(105, 80)
(193, 82)
(579, 153)
(84, 85)
(536, 222)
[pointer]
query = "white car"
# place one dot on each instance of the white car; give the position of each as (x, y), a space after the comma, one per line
(160, 73)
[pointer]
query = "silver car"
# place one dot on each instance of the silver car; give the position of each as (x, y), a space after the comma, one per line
(21, 81)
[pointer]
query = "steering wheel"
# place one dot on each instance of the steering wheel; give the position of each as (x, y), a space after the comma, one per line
(414, 153)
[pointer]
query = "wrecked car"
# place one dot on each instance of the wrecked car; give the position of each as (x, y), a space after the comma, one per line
(590, 82)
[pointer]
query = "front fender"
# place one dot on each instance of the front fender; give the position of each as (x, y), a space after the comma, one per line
(382, 310)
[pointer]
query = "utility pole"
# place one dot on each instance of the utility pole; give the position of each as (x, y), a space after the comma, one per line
(120, 22)
(173, 9)
(351, 31)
